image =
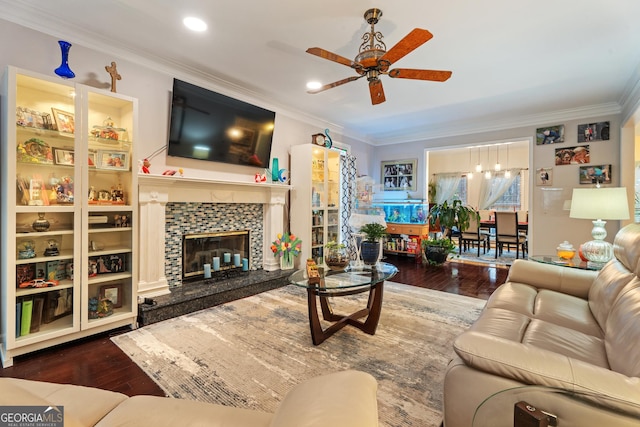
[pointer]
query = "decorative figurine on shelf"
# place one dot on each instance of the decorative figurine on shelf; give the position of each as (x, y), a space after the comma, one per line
(52, 248)
(328, 142)
(26, 249)
(113, 72)
(260, 177)
(146, 164)
(92, 194)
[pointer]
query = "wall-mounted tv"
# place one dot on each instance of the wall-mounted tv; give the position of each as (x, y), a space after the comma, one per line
(206, 125)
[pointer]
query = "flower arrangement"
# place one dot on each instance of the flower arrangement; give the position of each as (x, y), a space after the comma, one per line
(287, 246)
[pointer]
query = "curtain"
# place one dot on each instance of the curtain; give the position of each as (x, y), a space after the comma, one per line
(348, 177)
(446, 186)
(493, 188)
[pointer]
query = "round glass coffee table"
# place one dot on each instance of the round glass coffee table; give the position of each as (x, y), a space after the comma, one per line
(351, 281)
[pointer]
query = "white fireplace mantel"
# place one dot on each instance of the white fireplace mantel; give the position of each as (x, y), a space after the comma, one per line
(155, 191)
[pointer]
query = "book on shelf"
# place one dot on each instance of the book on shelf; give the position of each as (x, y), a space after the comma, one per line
(36, 314)
(18, 317)
(25, 324)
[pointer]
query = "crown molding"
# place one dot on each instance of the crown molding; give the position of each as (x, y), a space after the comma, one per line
(461, 128)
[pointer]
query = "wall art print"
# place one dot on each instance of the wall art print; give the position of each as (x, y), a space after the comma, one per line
(550, 135)
(573, 155)
(593, 132)
(544, 176)
(600, 174)
(399, 175)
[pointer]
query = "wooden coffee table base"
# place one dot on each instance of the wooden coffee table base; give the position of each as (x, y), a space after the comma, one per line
(372, 311)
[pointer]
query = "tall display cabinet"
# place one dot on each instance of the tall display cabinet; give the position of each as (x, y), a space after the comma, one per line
(69, 212)
(315, 199)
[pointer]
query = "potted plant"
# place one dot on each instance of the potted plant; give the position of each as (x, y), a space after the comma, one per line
(337, 257)
(448, 216)
(452, 215)
(370, 246)
(436, 251)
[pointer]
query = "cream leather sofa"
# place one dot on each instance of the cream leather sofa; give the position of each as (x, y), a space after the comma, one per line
(341, 399)
(565, 340)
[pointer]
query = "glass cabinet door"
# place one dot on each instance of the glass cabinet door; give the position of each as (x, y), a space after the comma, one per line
(109, 208)
(42, 159)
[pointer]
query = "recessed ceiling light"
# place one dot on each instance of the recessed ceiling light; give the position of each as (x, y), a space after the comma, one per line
(314, 85)
(194, 24)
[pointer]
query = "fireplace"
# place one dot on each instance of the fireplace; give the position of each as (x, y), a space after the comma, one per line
(181, 205)
(223, 251)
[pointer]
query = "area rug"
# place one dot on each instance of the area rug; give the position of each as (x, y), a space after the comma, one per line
(471, 256)
(249, 353)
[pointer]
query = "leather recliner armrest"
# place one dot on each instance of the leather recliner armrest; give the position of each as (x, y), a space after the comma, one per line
(533, 366)
(345, 399)
(571, 281)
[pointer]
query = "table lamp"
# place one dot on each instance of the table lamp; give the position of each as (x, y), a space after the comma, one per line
(606, 203)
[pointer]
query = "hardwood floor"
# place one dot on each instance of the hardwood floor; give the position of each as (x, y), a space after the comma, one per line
(97, 362)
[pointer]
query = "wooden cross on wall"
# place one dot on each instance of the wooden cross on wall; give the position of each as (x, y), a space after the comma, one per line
(113, 72)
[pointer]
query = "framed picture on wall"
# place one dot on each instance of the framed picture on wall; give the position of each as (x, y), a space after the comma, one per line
(544, 176)
(399, 175)
(595, 174)
(593, 132)
(550, 135)
(573, 155)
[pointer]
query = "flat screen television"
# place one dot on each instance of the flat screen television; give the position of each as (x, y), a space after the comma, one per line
(206, 125)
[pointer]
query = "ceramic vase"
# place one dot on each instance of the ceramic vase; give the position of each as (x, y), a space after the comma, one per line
(41, 224)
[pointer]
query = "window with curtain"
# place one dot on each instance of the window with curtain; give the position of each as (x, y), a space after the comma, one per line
(450, 186)
(511, 199)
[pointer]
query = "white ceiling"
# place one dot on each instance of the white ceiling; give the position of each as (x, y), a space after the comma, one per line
(513, 62)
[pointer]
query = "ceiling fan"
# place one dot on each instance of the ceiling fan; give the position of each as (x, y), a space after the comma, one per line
(374, 60)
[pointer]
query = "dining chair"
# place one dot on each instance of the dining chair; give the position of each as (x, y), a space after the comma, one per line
(507, 233)
(473, 235)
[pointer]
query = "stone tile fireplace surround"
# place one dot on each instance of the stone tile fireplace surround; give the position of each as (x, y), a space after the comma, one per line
(170, 205)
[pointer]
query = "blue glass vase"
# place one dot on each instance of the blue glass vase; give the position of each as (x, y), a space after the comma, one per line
(63, 70)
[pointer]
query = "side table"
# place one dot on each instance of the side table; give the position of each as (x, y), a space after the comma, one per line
(576, 262)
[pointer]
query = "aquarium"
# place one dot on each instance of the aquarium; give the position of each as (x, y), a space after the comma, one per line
(405, 212)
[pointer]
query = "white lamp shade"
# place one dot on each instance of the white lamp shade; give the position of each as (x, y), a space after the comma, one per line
(608, 203)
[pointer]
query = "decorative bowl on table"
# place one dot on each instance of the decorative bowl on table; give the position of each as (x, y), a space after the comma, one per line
(337, 257)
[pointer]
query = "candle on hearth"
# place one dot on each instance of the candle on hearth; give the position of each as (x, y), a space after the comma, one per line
(216, 263)
(236, 260)
(207, 271)
(227, 257)
(245, 264)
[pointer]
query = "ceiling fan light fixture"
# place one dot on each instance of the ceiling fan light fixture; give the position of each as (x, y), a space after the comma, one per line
(373, 59)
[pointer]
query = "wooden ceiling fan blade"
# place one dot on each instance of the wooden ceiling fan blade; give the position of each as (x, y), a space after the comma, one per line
(334, 84)
(408, 73)
(411, 41)
(376, 91)
(322, 53)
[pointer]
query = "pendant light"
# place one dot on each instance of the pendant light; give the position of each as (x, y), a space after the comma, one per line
(478, 166)
(487, 174)
(497, 166)
(507, 173)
